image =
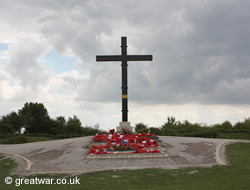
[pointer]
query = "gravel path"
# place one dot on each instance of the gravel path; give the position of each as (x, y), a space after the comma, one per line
(69, 155)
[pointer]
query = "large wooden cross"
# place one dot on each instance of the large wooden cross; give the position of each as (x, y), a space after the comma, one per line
(124, 58)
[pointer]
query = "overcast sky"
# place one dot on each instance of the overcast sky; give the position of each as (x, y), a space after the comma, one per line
(200, 69)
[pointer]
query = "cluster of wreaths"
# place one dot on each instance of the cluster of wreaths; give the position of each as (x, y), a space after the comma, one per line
(119, 144)
(106, 149)
(107, 137)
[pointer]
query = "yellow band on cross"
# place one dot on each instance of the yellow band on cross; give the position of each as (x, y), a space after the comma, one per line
(124, 96)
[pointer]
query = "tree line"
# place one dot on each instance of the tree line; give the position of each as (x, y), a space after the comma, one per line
(33, 118)
(33, 121)
(172, 127)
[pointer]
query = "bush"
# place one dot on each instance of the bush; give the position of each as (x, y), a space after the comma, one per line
(243, 125)
(155, 131)
(141, 128)
(88, 131)
(14, 140)
(18, 140)
(206, 133)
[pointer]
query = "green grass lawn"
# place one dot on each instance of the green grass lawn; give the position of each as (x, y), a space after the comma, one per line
(235, 176)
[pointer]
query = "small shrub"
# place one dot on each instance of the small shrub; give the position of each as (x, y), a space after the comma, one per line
(141, 128)
(155, 131)
(207, 134)
(18, 140)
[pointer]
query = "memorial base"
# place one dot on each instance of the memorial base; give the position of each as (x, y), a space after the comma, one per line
(124, 125)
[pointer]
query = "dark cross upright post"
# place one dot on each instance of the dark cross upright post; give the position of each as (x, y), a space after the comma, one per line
(124, 58)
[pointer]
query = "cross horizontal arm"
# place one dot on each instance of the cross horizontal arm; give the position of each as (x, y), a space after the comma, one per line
(124, 58)
(108, 58)
(139, 57)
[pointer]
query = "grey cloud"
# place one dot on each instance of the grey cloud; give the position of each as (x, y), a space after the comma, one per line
(23, 63)
(208, 63)
(200, 49)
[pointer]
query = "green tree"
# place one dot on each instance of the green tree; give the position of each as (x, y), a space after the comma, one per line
(10, 123)
(16, 121)
(88, 130)
(58, 125)
(35, 118)
(73, 126)
(6, 127)
(243, 125)
(156, 131)
(171, 122)
(141, 127)
(224, 125)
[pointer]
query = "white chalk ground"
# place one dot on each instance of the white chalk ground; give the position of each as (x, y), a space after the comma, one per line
(69, 155)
